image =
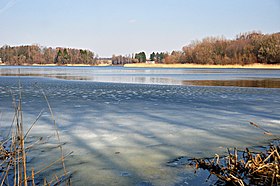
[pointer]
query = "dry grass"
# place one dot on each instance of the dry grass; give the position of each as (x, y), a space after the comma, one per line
(14, 168)
(189, 65)
(244, 168)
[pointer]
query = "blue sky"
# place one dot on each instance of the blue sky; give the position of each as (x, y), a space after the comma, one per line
(127, 26)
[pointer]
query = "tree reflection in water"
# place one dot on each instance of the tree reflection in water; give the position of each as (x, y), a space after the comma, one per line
(261, 83)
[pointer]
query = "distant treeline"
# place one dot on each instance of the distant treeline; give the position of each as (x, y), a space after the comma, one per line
(138, 58)
(31, 54)
(247, 48)
(134, 58)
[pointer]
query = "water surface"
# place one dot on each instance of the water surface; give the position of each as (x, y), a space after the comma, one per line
(123, 129)
(220, 77)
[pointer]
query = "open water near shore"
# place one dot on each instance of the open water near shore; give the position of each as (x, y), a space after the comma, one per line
(124, 124)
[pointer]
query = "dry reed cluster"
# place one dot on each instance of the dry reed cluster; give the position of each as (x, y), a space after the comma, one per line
(242, 168)
(14, 151)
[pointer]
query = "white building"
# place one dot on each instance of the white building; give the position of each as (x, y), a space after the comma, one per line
(150, 62)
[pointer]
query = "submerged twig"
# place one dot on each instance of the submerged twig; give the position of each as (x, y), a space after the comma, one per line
(266, 132)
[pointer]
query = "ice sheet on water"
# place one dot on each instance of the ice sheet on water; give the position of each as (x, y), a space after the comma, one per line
(157, 123)
(275, 121)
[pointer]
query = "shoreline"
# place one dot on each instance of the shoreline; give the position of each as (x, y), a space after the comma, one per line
(147, 65)
(252, 66)
(55, 65)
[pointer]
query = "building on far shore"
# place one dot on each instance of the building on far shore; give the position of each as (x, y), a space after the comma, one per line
(150, 62)
(104, 61)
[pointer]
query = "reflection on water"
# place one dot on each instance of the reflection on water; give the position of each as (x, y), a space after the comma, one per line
(198, 77)
(263, 83)
(66, 77)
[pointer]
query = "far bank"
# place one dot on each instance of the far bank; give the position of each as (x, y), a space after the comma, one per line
(69, 65)
(189, 65)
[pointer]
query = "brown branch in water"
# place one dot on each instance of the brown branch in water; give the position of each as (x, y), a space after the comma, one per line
(266, 132)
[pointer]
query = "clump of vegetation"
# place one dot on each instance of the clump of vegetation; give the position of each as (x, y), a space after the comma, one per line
(242, 168)
(14, 156)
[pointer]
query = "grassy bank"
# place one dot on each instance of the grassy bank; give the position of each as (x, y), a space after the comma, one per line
(145, 65)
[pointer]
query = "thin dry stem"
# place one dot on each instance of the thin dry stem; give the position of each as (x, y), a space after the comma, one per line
(56, 128)
(13, 154)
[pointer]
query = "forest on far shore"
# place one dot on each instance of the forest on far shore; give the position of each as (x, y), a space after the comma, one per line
(246, 48)
(35, 54)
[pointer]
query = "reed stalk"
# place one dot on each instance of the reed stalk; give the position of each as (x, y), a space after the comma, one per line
(242, 168)
(14, 168)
